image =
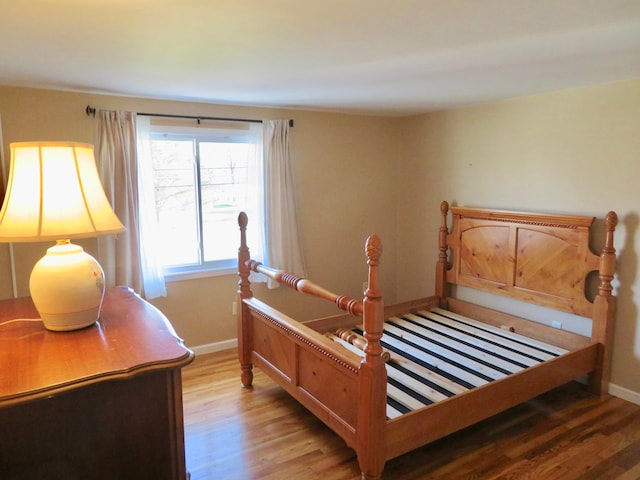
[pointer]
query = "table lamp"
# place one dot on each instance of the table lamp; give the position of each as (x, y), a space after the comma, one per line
(54, 193)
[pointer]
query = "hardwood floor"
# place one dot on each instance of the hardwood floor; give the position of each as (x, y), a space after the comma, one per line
(262, 433)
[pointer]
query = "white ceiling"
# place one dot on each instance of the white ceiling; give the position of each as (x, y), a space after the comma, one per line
(391, 57)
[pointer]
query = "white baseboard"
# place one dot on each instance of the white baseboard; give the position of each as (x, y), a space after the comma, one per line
(624, 393)
(215, 347)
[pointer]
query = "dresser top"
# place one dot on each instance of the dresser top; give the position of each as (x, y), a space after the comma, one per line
(131, 337)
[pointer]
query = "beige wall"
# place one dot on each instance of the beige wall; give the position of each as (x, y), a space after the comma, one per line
(574, 151)
(344, 168)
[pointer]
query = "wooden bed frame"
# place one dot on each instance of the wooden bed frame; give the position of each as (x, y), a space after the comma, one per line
(542, 259)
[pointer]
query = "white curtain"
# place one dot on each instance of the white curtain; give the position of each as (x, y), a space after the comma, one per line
(115, 150)
(283, 244)
(152, 274)
(254, 203)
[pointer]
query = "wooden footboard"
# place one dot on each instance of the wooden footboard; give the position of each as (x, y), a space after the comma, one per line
(317, 372)
(345, 391)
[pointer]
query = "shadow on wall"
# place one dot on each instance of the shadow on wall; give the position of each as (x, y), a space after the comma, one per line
(627, 312)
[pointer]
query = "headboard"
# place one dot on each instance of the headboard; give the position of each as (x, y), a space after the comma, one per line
(537, 258)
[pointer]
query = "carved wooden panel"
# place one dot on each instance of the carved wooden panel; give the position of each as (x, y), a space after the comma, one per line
(485, 253)
(274, 347)
(546, 263)
(333, 388)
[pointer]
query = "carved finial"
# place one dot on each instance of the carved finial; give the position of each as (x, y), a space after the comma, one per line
(244, 286)
(608, 256)
(242, 220)
(610, 222)
(373, 314)
(373, 250)
(444, 207)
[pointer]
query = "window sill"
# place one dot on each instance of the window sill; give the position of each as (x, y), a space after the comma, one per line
(195, 274)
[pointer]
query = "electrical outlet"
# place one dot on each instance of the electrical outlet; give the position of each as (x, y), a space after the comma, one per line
(234, 308)
(365, 285)
(556, 324)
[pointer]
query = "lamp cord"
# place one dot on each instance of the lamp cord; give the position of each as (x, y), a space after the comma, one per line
(21, 320)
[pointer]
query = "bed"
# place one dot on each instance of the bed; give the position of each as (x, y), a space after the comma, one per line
(391, 378)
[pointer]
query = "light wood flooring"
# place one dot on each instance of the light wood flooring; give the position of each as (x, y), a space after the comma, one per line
(262, 433)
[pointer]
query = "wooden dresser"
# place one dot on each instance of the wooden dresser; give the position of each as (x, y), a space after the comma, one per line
(104, 402)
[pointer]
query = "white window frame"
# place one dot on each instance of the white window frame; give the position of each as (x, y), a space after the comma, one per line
(203, 134)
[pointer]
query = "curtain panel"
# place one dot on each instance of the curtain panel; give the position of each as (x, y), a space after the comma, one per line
(115, 149)
(152, 271)
(283, 245)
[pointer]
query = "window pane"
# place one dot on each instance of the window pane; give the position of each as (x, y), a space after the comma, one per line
(223, 170)
(175, 190)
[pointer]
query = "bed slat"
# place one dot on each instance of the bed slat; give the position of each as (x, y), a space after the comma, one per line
(460, 348)
(521, 339)
(444, 354)
(536, 354)
(442, 325)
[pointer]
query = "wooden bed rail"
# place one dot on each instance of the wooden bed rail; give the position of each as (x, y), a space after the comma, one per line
(308, 287)
(358, 341)
(302, 285)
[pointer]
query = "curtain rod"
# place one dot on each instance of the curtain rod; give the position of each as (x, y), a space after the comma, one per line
(91, 111)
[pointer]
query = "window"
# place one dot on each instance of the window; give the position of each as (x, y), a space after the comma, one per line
(202, 178)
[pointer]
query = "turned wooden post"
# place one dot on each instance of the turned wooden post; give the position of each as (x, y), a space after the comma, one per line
(372, 375)
(604, 310)
(442, 289)
(245, 332)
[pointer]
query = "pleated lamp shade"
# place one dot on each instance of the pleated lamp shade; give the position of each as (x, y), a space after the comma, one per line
(54, 193)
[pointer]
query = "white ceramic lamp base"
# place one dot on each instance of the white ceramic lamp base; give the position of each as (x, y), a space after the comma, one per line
(67, 287)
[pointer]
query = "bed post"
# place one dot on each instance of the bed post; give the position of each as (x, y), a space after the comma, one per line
(442, 289)
(372, 390)
(245, 340)
(604, 310)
